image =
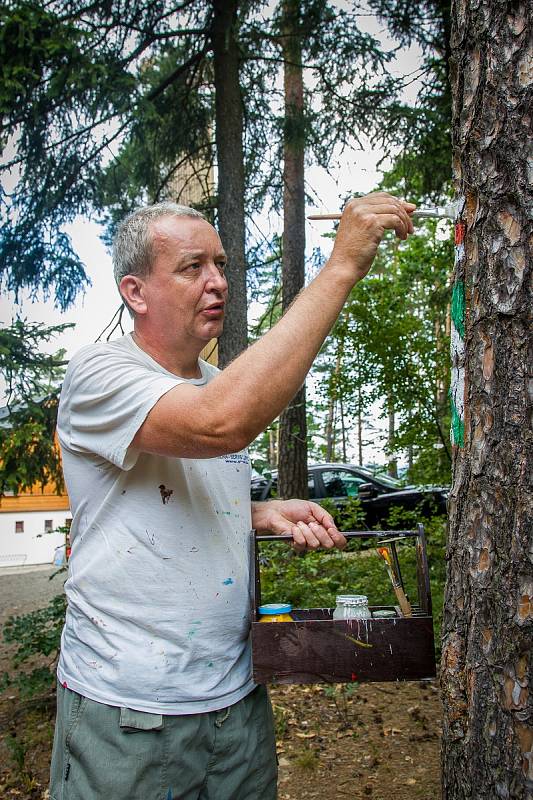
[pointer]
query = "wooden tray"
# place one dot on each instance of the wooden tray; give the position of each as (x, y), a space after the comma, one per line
(317, 649)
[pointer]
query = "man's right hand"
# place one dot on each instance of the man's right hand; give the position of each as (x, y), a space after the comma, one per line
(364, 221)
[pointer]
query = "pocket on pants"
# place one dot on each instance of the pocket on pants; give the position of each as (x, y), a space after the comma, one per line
(134, 721)
(104, 761)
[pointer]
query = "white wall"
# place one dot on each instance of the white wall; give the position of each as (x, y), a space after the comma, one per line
(28, 547)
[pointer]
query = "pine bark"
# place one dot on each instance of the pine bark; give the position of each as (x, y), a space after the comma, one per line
(487, 660)
(292, 469)
(230, 161)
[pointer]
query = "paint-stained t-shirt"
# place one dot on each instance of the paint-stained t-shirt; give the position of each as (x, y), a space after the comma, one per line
(159, 576)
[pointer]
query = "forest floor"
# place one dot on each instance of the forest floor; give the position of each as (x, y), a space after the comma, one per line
(374, 740)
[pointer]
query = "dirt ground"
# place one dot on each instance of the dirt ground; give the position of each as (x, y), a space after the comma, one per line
(374, 740)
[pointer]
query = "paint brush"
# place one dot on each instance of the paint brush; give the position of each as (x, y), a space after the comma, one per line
(405, 605)
(438, 212)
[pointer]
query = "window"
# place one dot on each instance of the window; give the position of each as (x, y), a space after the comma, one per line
(19, 526)
(48, 525)
(341, 483)
(311, 485)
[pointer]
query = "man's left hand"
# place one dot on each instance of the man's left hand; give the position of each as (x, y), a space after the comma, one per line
(311, 526)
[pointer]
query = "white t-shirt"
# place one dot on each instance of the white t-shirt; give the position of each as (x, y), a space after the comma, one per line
(159, 595)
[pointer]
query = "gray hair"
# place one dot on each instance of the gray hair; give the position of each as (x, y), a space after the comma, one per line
(133, 252)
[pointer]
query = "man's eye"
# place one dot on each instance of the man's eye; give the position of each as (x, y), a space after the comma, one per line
(222, 265)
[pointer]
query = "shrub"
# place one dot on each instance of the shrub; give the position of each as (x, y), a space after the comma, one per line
(35, 635)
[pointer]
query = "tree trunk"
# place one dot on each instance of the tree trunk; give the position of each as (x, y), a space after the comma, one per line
(357, 353)
(343, 428)
(487, 654)
(230, 159)
(393, 464)
(273, 447)
(292, 469)
(359, 435)
(330, 430)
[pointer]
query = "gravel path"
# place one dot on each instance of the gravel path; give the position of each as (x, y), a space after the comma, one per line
(24, 589)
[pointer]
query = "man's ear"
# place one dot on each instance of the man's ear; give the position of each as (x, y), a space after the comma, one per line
(131, 288)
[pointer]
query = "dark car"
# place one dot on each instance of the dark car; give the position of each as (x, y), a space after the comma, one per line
(378, 493)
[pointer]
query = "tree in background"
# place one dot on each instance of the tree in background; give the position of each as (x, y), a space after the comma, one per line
(422, 167)
(346, 93)
(390, 349)
(292, 458)
(487, 653)
(29, 455)
(230, 160)
(86, 82)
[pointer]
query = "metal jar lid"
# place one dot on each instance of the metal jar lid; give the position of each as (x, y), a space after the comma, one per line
(352, 599)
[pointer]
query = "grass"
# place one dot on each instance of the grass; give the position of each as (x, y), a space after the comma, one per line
(307, 760)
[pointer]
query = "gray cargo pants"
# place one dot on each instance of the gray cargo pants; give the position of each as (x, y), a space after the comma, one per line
(103, 752)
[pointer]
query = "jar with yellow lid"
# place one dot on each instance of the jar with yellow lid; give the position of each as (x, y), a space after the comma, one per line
(275, 612)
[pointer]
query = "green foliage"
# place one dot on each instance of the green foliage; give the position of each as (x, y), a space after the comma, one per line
(104, 104)
(281, 722)
(35, 635)
(308, 760)
(17, 751)
(171, 132)
(53, 81)
(341, 694)
(28, 372)
(391, 346)
(349, 517)
(78, 83)
(28, 453)
(422, 167)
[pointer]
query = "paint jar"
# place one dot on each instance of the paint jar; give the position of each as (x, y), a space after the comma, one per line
(384, 613)
(352, 606)
(275, 612)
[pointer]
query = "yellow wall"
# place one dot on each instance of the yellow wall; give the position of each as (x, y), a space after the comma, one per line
(35, 502)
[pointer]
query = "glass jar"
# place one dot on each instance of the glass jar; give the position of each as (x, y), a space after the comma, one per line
(275, 612)
(352, 606)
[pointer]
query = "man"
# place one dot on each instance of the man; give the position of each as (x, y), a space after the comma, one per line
(156, 699)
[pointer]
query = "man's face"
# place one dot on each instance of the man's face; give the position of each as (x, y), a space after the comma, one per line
(186, 291)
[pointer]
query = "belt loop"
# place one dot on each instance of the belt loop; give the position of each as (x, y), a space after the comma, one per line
(221, 720)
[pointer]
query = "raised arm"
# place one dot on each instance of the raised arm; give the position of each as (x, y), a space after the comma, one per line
(228, 413)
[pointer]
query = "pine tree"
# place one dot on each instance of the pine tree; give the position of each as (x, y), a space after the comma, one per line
(487, 661)
(292, 473)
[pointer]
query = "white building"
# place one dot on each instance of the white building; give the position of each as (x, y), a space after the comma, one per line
(28, 527)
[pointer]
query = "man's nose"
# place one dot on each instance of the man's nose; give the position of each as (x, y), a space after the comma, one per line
(216, 280)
